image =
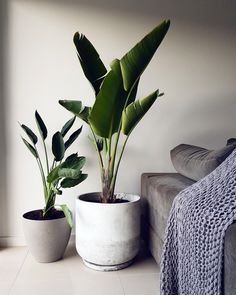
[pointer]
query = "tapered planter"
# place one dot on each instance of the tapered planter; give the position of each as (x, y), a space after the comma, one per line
(107, 235)
(46, 239)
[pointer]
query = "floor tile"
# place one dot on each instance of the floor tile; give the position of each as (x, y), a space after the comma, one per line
(143, 264)
(11, 260)
(22, 275)
(141, 284)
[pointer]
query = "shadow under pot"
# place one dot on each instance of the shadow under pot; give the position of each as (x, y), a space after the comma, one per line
(107, 235)
(47, 239)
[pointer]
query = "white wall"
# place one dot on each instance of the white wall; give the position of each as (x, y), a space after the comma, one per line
(195, 67)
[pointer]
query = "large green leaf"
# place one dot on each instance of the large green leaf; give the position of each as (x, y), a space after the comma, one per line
(90, 61)
(76, 107)
(67, 126)
(134, 112)
(69, 182)
(30, 134)
(106, 113)
(136, 60)
(72, 162)
(58, 146)
(73, 137)
(41, 125)
(67, 214)
(31, 148)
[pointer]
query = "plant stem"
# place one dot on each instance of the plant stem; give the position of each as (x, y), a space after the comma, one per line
(113, 182)
(46, 156)
(98, 152)
(42, 175)
(113, 157)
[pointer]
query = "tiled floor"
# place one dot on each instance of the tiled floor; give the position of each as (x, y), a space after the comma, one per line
(21, 275)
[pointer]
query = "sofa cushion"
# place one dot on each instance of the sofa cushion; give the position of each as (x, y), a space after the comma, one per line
(196, 162)
(159, 191)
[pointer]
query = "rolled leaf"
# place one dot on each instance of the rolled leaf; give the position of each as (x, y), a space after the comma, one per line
(73, 137)
(67, 126)
(93, 67)
(31, 148)
(136, 60)
(41, 126)
(67, 214)
(30, 134)
(135, 111)
(106, 113)
(58, 146)
(69, 182)
(76, 107)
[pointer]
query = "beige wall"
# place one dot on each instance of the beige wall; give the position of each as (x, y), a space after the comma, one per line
(195, 67)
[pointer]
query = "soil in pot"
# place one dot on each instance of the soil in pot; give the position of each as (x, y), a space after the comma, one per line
(38, 215)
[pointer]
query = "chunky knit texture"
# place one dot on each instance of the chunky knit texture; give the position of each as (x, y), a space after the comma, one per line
(193, 246)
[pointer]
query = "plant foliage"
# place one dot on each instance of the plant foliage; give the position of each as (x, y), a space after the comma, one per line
(61, 173)
(116, 110)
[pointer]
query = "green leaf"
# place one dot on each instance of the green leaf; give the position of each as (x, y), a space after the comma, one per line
(30, 134)
(73, 137)
(136, 60)
(71, 157)
(58, 146)
(135, 111)
(76, 107)
(31, 148)
(67, 126)
(93, 67)
(69, 182)
(68, 172)
(53, 175)
(68, 214)
(41, 126)
(133, 93)
(106, 113)
(84, 115)
(72, 162)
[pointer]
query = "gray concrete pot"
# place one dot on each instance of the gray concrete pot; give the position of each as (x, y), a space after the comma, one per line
(46, 239)
(107, 235)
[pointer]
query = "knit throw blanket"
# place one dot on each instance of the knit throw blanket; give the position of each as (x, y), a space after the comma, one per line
(193, 246)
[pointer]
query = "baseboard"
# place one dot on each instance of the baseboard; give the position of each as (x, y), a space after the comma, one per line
(20, 241)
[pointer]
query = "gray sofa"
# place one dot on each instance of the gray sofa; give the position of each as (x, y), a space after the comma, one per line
(158, 191)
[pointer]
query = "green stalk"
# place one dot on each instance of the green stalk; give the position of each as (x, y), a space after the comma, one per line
(98, 152)
(42, 175)
(118, 136)
(113, 182)
(46, 156)
(113, 158)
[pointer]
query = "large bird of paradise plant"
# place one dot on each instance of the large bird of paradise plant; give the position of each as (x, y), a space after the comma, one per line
(116, 110)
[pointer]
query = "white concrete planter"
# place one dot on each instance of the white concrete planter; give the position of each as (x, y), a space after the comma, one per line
(107, 235)
(46, 239)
